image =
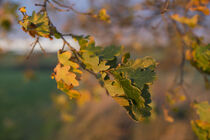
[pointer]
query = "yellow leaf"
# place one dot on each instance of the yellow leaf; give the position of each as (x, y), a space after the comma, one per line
(202, 9)
(122, 101)
(63, 57)
(22, 9)
(203, 124)
(199, 5)
(63, 86)
(192, 22)
(74, 94)
(102, 15)
(62, 73)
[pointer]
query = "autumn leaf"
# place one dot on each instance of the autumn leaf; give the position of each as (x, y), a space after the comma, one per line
(202, 9)
(191, 22)
(102, 15)
(62, 73)
(201, 58)
(36, 24)
(202, 127)
(199, 5)
(74, 94)
(93, 63)
(22, 9)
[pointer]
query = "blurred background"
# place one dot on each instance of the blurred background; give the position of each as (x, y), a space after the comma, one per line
(32, 108)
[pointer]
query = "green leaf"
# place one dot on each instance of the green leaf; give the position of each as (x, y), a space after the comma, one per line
(114, 88)
(127, 83)
(138, 107)
(86, 43)
(140, 71)
(57, 35)
(203, 110)
(92, 62)
(201, 58)
(110, 52)
(125, 58)
(146, 62)
(202, 127)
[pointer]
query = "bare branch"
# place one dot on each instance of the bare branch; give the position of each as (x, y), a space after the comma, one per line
(43, 50)
(32, 49)
(68, 8)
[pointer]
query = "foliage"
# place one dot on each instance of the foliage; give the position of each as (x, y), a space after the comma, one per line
(199, 56)
(130, 77)
(35, 25)
(127, 82)
(195, 5)
(201, 127)
(197, 52)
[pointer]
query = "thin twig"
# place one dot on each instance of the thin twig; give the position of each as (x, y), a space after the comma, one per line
(58, 9)
(71, 8)
(182, 66)
(63, 46)
(39, 5)
(32, 49)
(43, 50)
(165, 7)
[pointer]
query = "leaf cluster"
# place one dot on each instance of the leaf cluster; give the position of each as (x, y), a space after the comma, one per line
(199, 56)
(127, 81)
(36, 25)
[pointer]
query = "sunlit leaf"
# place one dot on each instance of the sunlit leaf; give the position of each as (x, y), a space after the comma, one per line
(191, 22)
(64, 58)
(22, 9)
(73, 94)
(202, 127)
(37, 24)
(102, 15)
(62, 73)
(201, 58)
(92, 62)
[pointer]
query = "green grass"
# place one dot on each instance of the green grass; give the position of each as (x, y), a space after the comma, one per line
(26, 110)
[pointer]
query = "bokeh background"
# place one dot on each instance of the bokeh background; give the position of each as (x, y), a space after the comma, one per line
(31, 107)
